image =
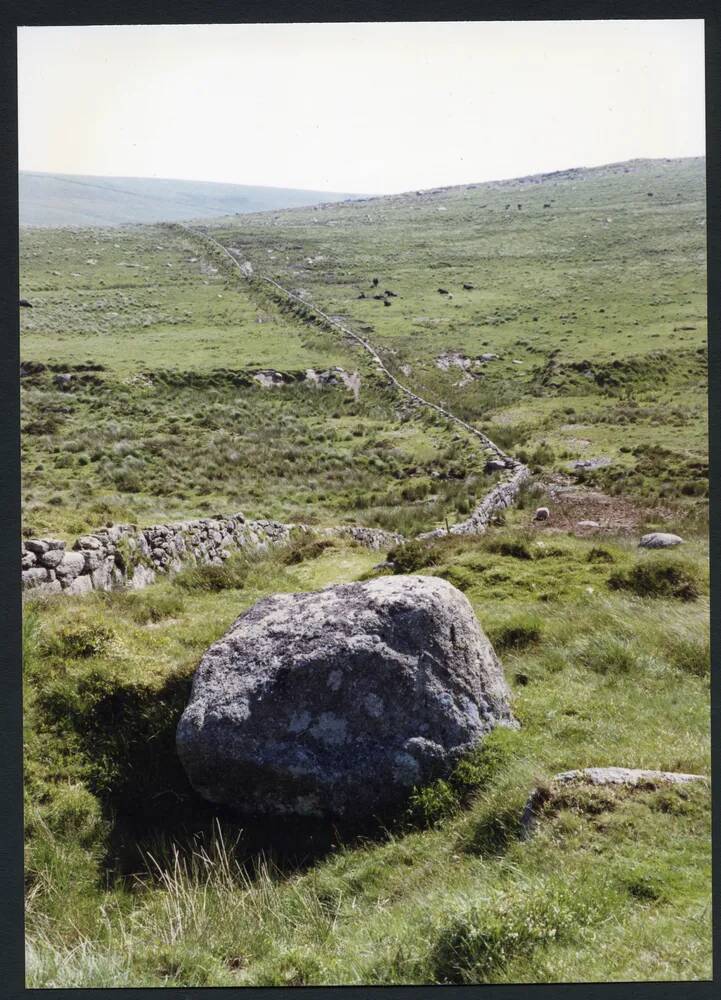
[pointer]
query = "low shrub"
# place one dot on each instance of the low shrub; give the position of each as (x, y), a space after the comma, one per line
(302, 549)
(599, 554)
(229, 575)
(80, 642)
(659, 576)
(409, 557)
(431, 804)
(509, 545)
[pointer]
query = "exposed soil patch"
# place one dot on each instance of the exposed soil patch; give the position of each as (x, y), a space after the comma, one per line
(571, 503)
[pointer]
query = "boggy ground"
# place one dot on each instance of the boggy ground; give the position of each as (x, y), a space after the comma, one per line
(131, 880)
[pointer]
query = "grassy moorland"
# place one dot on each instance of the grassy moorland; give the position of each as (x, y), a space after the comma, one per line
(131, 879)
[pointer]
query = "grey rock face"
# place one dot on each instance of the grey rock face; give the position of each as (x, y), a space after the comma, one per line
(336, 703)
(660, 540)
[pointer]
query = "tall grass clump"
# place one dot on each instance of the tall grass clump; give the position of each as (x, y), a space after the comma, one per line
(482, 938)
(659, 576)
(228, 575)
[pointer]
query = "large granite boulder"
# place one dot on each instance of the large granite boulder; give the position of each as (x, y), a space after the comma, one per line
(336, 703)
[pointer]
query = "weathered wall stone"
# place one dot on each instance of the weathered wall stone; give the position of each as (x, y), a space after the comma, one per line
(126, 556)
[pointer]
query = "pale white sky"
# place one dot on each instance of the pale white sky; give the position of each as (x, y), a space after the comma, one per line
(374, 108)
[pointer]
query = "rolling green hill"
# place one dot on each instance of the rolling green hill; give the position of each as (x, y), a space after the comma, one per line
(48, 199)
(565, 316)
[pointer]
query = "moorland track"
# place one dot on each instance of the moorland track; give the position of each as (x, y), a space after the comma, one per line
(501, 495)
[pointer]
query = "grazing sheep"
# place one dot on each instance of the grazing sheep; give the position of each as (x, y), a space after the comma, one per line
(375, 282)
(542, 514)
(468, 287)
(443, 291)
(24, 302)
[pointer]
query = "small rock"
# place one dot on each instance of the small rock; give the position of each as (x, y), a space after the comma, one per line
(660, 540)
(588, 524)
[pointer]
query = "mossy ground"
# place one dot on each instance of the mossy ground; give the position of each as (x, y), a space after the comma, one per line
(131, 879)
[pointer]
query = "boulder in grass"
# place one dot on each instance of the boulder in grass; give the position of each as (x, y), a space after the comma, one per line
(660, 540)
(337, 703)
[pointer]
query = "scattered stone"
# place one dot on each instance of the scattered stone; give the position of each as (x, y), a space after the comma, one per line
(336, 703)
(495, 465)
(601, 776)
(590, 463)
(660, 540)
(588, 524)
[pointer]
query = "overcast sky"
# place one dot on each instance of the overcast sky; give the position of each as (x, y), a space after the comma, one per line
(371, 108)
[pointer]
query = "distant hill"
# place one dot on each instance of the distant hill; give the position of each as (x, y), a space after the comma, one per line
(72, 200)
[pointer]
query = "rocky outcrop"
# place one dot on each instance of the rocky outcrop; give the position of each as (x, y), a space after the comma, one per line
(337, 703)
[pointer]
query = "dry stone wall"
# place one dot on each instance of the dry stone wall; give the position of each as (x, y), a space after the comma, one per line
(126, 556)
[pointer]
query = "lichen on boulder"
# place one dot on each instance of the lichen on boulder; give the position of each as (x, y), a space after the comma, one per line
(337, 703)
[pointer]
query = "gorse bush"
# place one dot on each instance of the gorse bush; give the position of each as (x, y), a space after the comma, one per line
(659, 576)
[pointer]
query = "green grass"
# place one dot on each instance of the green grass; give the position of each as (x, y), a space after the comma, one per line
(131, 879)
(449, 895)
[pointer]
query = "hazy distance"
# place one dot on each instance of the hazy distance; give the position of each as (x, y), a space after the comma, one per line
(373, 107)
